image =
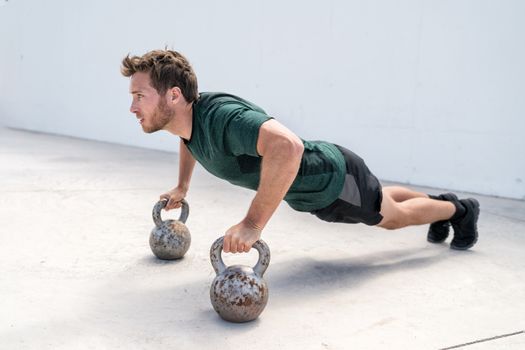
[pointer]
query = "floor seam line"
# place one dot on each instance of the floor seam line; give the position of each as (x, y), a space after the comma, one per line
(483, 340)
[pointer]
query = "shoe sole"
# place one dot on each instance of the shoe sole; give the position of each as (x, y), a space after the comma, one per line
(476, 213)
(436, 240)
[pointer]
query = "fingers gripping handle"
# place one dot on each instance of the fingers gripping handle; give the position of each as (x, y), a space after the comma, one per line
(185, 211)
(260, 267)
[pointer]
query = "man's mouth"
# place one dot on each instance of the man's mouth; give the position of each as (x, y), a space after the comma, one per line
(141, 120)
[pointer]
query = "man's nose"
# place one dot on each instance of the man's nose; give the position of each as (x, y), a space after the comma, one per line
(133, 109)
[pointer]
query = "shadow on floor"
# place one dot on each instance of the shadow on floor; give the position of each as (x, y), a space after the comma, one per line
(130, 306)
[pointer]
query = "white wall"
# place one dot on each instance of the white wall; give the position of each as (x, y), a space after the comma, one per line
(428, 92)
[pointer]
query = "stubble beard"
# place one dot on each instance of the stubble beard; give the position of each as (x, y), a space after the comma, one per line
(160, 118)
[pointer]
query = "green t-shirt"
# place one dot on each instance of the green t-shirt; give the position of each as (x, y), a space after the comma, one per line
(224, 141)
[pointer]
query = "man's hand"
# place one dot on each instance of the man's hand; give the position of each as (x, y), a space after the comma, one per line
(241, 237)
(174, 197)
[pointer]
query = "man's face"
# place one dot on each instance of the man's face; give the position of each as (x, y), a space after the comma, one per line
(150, 108)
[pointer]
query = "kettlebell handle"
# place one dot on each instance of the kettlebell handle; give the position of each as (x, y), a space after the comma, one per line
(259, 268)
(185, 211)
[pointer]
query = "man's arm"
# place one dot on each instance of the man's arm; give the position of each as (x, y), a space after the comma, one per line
(186, 165)
(281, 152)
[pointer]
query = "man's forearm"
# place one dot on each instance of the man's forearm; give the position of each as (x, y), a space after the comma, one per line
(278, 171)
(186, 165)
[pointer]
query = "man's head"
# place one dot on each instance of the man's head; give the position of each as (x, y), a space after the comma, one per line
(161, 80)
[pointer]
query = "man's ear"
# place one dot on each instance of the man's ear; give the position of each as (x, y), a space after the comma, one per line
(175, 94)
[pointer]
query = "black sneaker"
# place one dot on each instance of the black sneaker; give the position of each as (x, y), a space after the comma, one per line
(465, 228)
(438, 231)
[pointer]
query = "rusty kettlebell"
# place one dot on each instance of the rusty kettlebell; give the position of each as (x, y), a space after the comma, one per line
(170, 239)
(239, 293)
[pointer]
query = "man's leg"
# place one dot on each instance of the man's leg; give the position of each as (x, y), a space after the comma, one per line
(463, 214)
(402, 207)
(437, 231)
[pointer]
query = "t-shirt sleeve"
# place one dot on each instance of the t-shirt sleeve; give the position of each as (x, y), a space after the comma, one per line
(240, 130)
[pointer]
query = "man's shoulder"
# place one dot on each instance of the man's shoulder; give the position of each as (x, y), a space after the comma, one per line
(210, 102)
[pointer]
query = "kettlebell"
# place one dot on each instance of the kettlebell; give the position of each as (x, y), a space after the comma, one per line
(170, 239)
(239, 293)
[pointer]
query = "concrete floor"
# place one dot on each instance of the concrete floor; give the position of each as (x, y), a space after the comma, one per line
(76, 270)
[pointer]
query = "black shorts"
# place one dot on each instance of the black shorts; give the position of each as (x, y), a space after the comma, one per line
(360, 199)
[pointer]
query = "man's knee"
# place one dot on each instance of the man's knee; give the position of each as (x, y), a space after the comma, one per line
(391, 224)
(397, 218)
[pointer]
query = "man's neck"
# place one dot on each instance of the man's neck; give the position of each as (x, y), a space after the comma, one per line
(181, 124)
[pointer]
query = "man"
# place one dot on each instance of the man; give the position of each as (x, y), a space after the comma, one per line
(237, 141)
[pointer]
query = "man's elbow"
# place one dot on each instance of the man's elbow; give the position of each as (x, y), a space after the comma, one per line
(298, 148)
(290, 147)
